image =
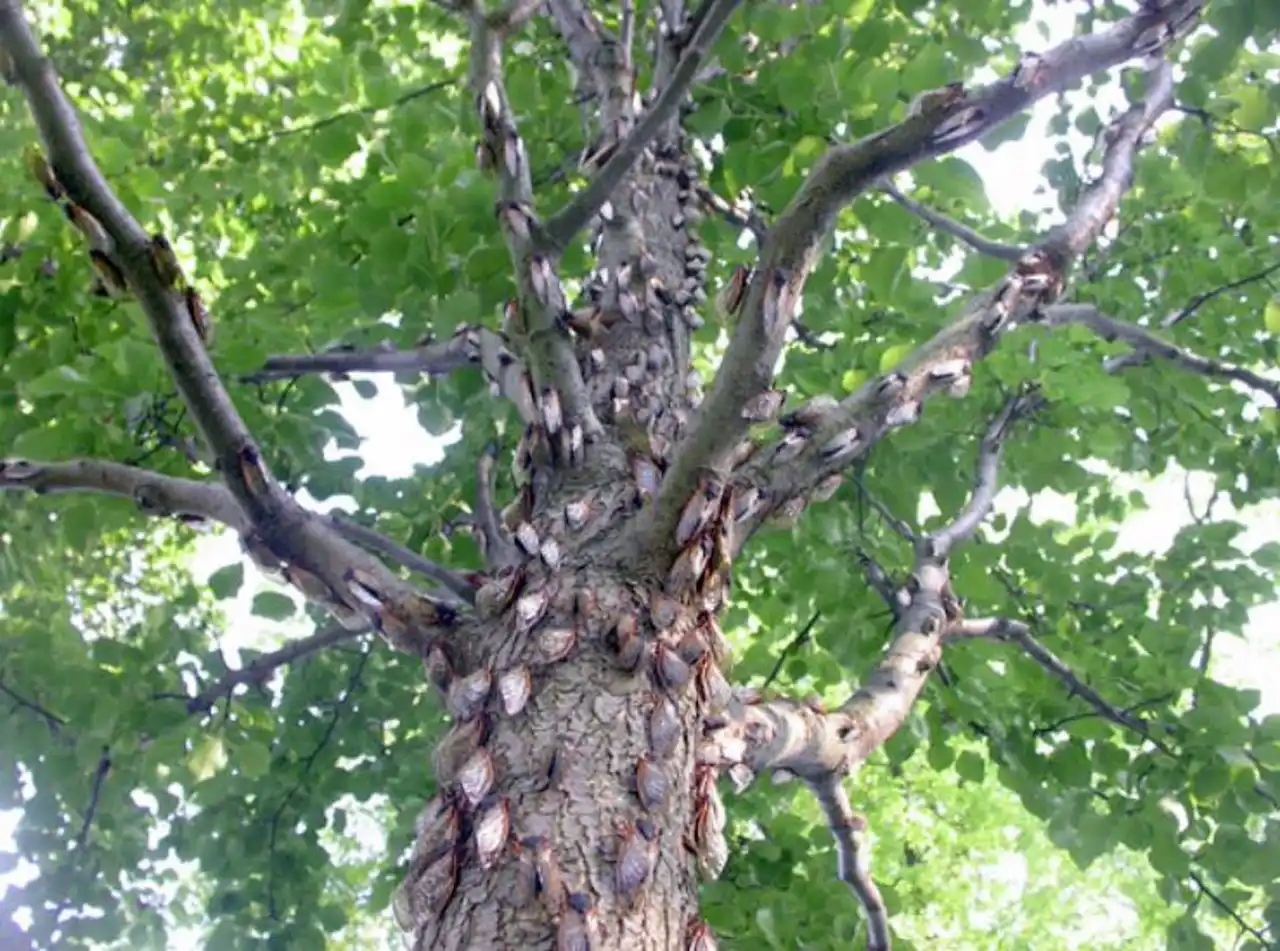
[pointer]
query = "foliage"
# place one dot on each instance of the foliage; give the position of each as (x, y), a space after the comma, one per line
(314, 164)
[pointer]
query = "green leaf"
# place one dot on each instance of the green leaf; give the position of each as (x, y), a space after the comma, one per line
(970, 767)
(252, 759)
(225, 583)
(1271, 317)
(273, 605)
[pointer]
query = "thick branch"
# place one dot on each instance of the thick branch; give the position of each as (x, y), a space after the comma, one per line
(534, 320)
(853, 861)
(942, 121)
(821, 748)
(261, 668)
(345, 578)
(947, 225)
(562, 228)
(1146, 344)
(153, 493)
(847, 431)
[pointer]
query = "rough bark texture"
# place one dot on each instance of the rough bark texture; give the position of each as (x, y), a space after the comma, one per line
(584, 669)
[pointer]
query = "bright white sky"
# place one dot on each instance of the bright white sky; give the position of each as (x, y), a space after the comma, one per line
(394, 444)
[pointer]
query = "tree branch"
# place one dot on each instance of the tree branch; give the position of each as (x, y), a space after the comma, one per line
(534, 320)
(1002, 629)
(1146, 344)
(987, 481)
(801, 638)
(880, 582)
(566, 223)
(821, 748)
(1137, 358)
(846, 432)
(345, 579)
(54, 722)
(374, 540)
(262, 667)
(95, 796)
(153, 493)
(437, 358)
(498, 548)
(948, 225)
(853, 863)
(940, 122)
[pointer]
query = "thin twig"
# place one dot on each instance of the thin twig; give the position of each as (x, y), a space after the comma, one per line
(261, 668)
(95, 795)
(961, 232)
(51, 720)
(800, 640)
(1146, 344)
(853, 858)
(898, 525)
(987, 479)
(1003, 629)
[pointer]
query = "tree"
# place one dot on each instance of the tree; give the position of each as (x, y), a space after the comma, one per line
(583, 636)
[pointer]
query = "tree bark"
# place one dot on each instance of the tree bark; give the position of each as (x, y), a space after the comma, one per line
(565, 772)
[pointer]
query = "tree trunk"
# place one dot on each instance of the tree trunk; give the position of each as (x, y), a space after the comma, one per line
(619, 674)
(641, 645)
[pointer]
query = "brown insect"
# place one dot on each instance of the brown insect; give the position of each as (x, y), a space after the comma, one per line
(541, 879)
(166, 263)
(636, 853)
(825, 489)
(699, 510)
(664, 728)
(531, 608)
(429, 893)
(458, 744)
(436, 829)
(576, 928)
(714, 689)
(497, 594)
(552, 415)
(515, 687)
(475, 777)
(841, 447)
(557, 643)
(626, 643)
(112, 278)
(734, 292)
(41, 170)
(469, 694)
(254, 472)
(492, 828)
(438, 667)
(698, 937)
(652, 784)
(526, 537)
(669, 671)
(89, 226)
